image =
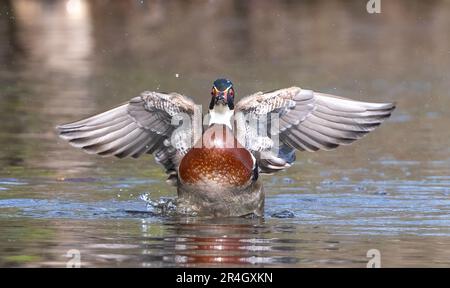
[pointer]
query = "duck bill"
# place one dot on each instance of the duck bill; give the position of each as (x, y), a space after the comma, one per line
(221, 98)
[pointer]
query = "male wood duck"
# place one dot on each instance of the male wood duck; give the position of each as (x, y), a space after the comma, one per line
(216, 173)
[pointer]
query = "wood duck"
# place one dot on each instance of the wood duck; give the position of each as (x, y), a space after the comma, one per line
(216, 167)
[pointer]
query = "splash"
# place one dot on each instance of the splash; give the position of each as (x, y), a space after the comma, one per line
(164, 206)
(167, 206)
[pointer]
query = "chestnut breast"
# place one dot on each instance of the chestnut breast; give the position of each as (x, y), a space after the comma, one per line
(218, 159)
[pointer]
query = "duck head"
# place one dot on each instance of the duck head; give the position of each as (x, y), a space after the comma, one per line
(222, 93)
(221, 107)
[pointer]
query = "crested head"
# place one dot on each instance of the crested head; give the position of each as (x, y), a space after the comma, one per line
(222, 84)
(222, 93)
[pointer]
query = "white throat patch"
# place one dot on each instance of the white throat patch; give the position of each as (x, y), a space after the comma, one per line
(221, 114)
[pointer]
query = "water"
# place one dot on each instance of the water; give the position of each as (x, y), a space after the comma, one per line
(390, 191)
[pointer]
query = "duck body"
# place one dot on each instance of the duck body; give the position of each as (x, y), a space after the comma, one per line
(218, 177)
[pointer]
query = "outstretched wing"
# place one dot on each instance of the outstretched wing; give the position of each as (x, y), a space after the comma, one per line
(309, 121)
(143, 125)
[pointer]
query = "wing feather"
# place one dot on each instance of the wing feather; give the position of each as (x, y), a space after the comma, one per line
(311, 121)
(131, 129)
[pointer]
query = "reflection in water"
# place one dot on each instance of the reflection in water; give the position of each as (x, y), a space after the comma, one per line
(233, 242)
(197, 242)
(62, 60)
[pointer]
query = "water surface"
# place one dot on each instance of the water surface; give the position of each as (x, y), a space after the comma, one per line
(64, 60)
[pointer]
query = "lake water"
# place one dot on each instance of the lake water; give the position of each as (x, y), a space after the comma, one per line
(64, 60)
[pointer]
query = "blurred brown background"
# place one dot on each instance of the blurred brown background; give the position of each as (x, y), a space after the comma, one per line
(61, 60)
(64, 60)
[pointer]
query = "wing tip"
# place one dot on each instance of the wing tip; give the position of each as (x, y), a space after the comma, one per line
(387, 106)
(60, 127)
